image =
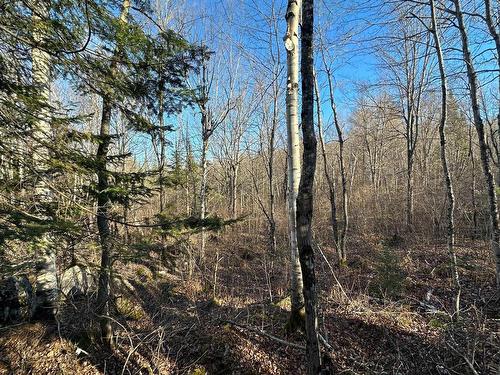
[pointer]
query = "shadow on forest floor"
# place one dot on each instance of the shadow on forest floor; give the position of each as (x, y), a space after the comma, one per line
(166, 325)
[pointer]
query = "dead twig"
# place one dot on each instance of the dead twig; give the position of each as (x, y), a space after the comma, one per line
(469, 363)
(325, 343)
(265, 334)
(258, 331)
(333, 273)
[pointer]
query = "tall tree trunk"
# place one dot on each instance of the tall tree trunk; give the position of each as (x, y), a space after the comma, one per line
(330, 181)
(340, 231)
(126, 205)
(343, 177)
(483, 147)
(411, 141)
(206, 132)
(191, 183)
(293, 161)
(203, 195)
(475, 232)
(444, 160)
(306, 193)
(342, 234)
(272, 220)
(409, 190)
(161, 161)
(411, 89)
(233, 180)
(496, 37)
(46, 292)
(161, 167)
(103, 206)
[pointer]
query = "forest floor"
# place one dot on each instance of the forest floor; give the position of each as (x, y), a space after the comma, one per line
(387, 312)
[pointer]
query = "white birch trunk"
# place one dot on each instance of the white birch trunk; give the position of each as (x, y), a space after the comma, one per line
(44, 303)
(292, 92)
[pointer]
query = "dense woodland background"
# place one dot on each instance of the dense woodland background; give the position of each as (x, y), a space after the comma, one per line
(150, 160)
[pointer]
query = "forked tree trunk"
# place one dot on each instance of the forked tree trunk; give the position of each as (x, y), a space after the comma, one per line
(413, 85)
(44, 304)
(292, 47)
(343, 177)
(342, 231)
(483, 147)
(270, 213)
(329, 180)
(103, 207)
(444, 160)
(305, 196)
(339, 231)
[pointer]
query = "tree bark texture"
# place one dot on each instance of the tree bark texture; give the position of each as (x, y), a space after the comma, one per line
(483, 147)
(305, 195)
(293, 161)
(104, 205)
(444, 160)
(46, 292)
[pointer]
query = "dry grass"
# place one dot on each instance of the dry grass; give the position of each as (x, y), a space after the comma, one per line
(170, 325)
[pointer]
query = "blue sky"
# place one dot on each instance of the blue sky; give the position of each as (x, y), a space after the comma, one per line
(237, 31)
(241, 28)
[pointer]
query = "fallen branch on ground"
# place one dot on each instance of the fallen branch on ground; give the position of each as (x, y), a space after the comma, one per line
(265, 334)
(333, 273)
(469, 363)
(325, 343)
(275, 338)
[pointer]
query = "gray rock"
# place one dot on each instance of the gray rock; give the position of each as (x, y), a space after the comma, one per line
(16, 297)
(44, 305)
(76, 280)
(122, 285)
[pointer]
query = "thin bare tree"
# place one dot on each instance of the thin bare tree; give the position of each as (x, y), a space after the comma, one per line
(409, 68)
(483, 146)
(493, 30)
(211, 119)
(330, 180)
(434, 29)
(339, 232)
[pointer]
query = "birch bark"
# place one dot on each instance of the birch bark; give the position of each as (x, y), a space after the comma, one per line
(291, 40)
(44, 304)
